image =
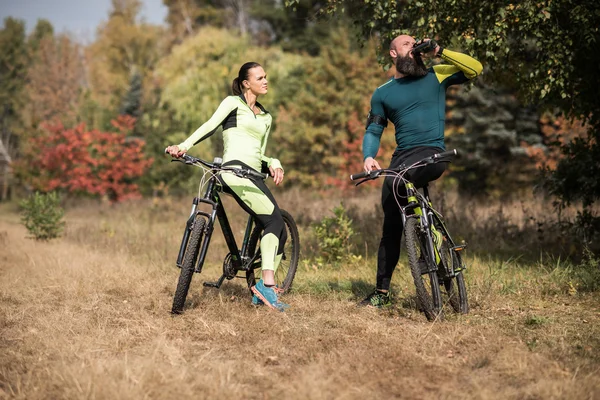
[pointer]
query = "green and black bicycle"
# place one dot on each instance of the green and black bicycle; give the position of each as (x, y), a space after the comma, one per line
(199, 228)
(433, 256)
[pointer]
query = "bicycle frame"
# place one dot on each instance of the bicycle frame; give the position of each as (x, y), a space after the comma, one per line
(212, 198)
(421, 206)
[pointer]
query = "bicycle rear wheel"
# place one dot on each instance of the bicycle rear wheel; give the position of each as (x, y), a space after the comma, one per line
(291, 254)
(189, 264)
(426, 283)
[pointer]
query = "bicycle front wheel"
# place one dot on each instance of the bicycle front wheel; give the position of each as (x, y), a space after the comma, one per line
(189, 264)
(426, 283)
(457, 294)
(291, 254)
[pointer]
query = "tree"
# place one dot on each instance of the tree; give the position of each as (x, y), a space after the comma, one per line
(546, 50)
(81, 161)
(13, 71)
(133, 98)
(43, 28)
(123, 47)
(54, 82)
(322, 117)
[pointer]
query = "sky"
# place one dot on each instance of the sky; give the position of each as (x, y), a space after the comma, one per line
(80, 17)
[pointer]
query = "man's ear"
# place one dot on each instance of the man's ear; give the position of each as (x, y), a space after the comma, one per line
(393, 53)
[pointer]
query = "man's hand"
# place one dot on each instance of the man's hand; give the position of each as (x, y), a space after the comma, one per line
(370, 164)
(432, 53)
(277, 174)
(174, 151)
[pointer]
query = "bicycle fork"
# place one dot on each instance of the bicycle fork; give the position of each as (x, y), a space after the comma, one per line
(426, 225)
(208, 229)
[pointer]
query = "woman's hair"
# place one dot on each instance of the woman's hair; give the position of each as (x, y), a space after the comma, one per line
(236, 86)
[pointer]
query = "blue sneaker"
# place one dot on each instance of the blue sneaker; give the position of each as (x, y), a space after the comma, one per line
(268, 296)
(256, 301)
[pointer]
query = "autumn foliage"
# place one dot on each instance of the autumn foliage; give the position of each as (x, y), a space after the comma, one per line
(84, 161)
(556, 131)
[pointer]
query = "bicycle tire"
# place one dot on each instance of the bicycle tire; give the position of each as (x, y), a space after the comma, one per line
(458, 298)
(291, 254)
(430, 301)
(450, 263)
(189, 264)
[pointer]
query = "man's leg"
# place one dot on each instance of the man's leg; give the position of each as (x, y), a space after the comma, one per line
(389, 246)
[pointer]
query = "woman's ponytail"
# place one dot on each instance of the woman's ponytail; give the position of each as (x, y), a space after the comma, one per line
(236, 88)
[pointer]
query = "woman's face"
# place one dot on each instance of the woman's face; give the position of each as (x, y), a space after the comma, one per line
(257, 81)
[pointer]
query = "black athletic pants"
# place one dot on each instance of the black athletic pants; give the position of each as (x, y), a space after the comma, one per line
(389, 247)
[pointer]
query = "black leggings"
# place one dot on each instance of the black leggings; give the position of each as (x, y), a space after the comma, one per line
(389, 247)
(256, 199)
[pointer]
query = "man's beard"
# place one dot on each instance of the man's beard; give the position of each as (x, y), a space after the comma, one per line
(408, 66)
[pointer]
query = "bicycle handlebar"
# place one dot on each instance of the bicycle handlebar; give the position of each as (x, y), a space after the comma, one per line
(217, 165)
(427, 160)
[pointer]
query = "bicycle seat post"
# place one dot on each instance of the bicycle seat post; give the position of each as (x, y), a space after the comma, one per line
(426, 192)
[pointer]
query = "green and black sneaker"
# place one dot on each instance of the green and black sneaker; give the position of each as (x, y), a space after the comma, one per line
(377, 299)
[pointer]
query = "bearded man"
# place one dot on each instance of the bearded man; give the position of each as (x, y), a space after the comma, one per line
(415, 101)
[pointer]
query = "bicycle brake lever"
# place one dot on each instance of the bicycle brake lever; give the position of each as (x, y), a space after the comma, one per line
(361, 181)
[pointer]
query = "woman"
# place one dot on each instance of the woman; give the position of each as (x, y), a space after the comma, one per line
(246, 125)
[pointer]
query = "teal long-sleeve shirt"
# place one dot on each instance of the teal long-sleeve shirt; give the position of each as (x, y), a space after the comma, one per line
(417, 106)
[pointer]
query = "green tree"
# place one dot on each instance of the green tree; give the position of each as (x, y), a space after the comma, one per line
(546, 50)
(195, 78)
(42, 215)
(14, 62)
(43, 28)
(133, 98)
(123, 45)
(13, 73)
(324, 110)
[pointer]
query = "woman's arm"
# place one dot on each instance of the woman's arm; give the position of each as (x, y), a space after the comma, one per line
(209, 127)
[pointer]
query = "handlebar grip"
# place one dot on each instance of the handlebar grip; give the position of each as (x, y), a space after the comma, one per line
(359, 175)
(446, 154)
(257, 175)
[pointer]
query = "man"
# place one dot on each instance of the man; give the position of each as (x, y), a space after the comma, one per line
(415, 101)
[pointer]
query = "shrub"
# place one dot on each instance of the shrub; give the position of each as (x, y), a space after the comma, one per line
(334, 234)
(42, 215)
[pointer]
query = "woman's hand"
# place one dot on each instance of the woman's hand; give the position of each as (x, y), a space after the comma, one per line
(174, 151)
(277, 174)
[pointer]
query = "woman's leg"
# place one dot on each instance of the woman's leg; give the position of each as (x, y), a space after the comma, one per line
(256, 199)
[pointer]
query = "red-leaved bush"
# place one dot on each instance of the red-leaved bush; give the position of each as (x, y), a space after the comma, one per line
(85, 162)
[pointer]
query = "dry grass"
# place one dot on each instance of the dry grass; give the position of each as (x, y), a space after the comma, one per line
(87, 317)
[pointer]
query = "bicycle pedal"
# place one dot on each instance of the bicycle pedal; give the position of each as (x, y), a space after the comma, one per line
(212, 284)
(459, 247)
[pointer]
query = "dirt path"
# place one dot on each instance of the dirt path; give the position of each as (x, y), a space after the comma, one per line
(78, 322)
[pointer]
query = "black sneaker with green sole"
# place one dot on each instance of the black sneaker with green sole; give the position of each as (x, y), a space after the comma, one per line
(377, 299)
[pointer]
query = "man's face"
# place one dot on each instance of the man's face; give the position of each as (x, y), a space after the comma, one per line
(401, 46)
(406, 62)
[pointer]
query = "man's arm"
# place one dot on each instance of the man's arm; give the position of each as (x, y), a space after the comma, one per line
(376, 122)
(458, 62)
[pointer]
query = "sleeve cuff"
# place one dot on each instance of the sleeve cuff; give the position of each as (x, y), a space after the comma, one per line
(275, 163)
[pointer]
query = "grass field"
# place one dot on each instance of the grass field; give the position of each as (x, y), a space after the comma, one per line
(87, 317)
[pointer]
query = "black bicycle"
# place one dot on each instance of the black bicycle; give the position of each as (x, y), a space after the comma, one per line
(200, 226)
(433, 257)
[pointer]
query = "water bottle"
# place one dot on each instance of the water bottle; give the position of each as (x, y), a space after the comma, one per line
(424, 47)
